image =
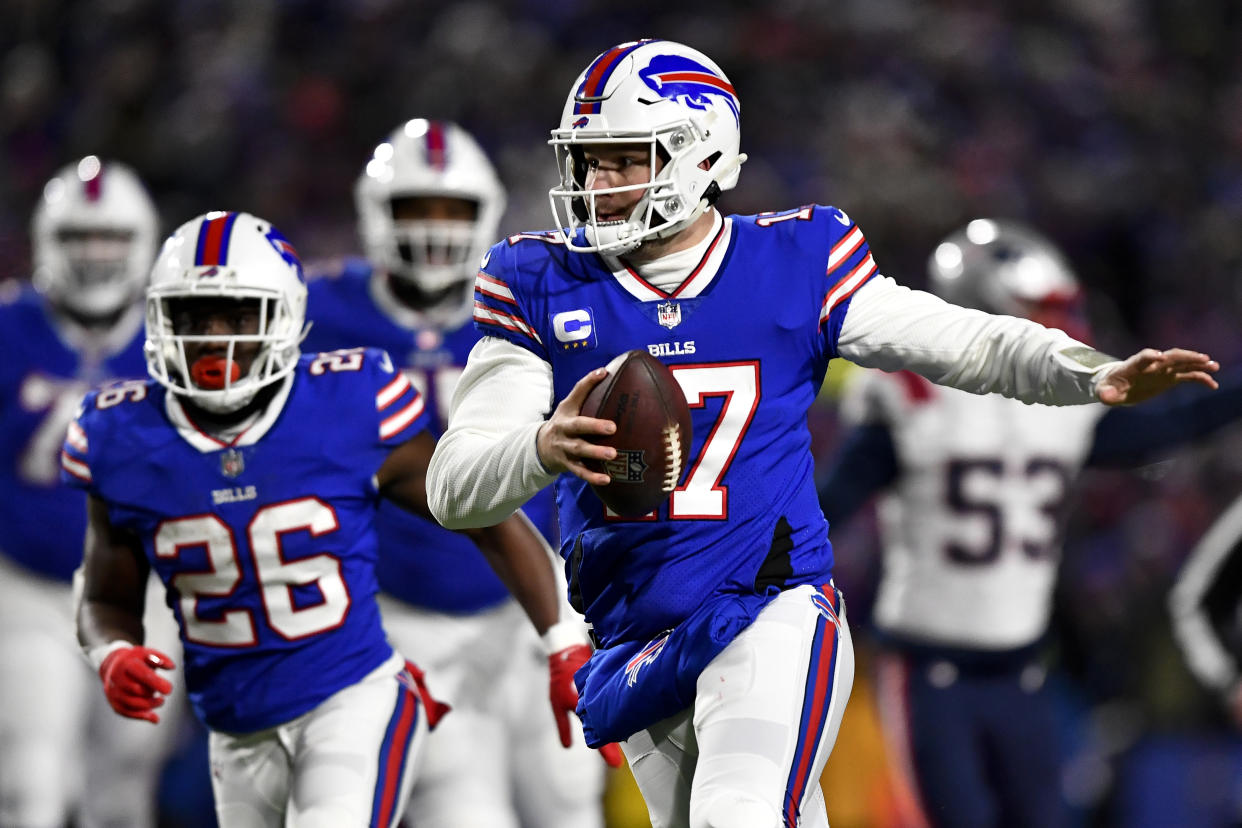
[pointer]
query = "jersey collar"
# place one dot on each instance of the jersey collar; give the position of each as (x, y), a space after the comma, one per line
(699, 271)
(245, 434)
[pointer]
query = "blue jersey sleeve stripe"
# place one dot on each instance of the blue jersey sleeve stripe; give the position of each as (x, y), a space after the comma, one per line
(402, 418)
(492, 288)
(77, 468)
(392, 392)
(844, 289)
(75, 437)
(846, 247)
(491, 317)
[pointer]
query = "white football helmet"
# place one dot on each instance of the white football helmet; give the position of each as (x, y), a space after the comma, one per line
(1009, 268)
(94, 235)
(230, 256)
(424, 158)
(668, 98)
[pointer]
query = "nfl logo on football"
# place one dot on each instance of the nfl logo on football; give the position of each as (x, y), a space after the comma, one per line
(668, 314)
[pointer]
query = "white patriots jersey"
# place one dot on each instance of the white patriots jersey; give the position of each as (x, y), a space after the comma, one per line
(971, 529)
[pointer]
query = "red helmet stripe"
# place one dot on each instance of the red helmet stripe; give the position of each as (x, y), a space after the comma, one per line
(213, 240)
(597, 76)
(437, 155)
(94, 186)
(699, 77)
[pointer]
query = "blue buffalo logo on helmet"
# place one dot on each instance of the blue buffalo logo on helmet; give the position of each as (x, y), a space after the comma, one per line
(285, 249)
(688, 82)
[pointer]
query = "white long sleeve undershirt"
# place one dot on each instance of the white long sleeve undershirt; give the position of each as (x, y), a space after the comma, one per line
(486, 465)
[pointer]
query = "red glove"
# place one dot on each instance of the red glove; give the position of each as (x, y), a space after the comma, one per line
(131, 684)
(561, 666)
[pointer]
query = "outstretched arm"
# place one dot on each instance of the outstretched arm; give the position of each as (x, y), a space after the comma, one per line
(891, 327)
(109, 617)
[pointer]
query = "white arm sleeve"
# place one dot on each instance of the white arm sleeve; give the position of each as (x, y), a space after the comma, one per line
(485, 465)
(891, 327)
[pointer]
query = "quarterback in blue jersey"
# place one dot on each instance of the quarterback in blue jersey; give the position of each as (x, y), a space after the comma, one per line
(62, 752)
(248, 477)
(974, 493)
(724, 659)
(429, 205)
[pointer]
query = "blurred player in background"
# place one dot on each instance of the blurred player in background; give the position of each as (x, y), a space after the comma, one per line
(725, 659)
(1206, 604)
(429, 204)
(248, 477)
(62, 752)
(975, 492)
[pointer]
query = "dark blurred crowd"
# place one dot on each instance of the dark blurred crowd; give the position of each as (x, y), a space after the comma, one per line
(1115, 126)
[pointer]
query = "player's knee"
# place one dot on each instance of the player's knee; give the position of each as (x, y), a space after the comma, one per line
(734, 809)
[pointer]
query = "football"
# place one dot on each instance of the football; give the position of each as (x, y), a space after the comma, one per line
(652, 438)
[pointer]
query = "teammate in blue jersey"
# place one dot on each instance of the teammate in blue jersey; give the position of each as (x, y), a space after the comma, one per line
(429, 205)
(248, 477)
(724, 658)
(974, 493)
(63, 754)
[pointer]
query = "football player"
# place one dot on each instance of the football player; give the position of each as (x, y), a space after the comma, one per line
(429, 204)
(63, 754)
(724, 658)
(974, 492)
(248, 477)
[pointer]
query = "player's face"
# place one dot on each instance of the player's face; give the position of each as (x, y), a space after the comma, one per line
(434, 208)
(436, 249)
(96, 256)
(223, 318)
(617, 165)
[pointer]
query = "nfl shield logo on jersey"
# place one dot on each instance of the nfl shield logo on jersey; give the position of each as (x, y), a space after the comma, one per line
(232, 462)
(668, 314)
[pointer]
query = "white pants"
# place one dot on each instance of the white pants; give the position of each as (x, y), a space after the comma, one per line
(495, 761)
(750, 751)
(348, 763)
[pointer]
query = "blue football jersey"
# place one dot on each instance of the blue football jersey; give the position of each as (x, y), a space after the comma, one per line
(449, 574)
(267, 545)
(748, 335)
(42, 380)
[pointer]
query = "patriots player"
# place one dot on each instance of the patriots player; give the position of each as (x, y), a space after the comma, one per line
(724, 658)
(63, 754)
(248, 476)
(429, 204)
(974, 490)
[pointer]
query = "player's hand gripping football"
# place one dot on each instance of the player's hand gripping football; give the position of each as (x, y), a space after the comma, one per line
(131, 684)
(1151, 372)
(562, 665)
(562, 442)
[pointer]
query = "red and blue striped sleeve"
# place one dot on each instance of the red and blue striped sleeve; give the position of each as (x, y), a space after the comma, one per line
(497, 311)
(75, 462)
(850, 266)
(401, 408)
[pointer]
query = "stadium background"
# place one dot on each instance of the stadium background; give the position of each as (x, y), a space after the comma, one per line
(1113, 125)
